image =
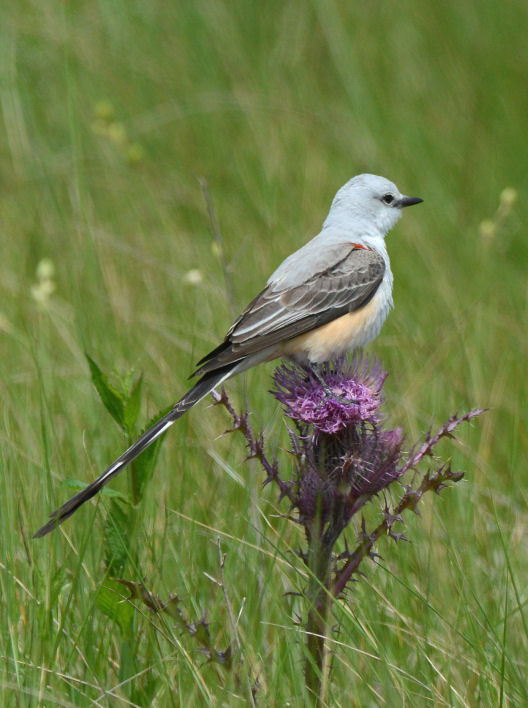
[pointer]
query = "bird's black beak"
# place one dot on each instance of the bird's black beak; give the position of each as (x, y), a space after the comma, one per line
(409, 201)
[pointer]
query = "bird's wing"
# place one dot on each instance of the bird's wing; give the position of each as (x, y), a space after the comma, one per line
(278, 314)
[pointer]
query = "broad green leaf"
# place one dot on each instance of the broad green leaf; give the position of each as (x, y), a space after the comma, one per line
(112, 600)
(127, 380)
(116, 533)
(132, 405)
(145, 463)
(71, 483)
(144, 467)
(112, 399)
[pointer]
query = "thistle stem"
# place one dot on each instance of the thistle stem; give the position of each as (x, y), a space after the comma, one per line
(319, 599)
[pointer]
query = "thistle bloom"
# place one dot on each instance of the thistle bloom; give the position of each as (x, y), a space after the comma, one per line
(343, 455)
(356, 386)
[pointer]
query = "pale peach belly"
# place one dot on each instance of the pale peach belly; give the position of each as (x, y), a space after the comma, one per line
(344, 334)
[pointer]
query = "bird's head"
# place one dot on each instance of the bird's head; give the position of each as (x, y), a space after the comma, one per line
(368, 202)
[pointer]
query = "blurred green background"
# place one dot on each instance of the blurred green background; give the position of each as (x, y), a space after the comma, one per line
(111, 114)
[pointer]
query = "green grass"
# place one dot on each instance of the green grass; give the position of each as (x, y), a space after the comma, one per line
(110, 111)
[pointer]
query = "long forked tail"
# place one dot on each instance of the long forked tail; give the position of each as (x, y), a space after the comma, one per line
(204, 386)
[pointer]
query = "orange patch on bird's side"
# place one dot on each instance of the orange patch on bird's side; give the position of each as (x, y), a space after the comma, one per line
(359, 245)
(341, 335)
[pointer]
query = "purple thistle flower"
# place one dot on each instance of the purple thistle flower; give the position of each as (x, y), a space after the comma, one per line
(337, 474)
(371, 461)
(356, 383)
(344, 457)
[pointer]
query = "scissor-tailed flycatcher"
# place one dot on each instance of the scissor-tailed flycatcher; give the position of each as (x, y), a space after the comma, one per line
(329, 297)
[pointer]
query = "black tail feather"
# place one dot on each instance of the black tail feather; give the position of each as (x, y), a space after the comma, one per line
(204, 386)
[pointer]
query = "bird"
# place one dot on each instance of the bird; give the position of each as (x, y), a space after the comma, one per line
(329, 297)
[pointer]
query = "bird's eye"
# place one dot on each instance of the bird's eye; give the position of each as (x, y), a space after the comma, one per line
(387, 198)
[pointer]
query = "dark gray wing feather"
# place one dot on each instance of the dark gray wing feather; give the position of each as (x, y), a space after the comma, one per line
(277, 315)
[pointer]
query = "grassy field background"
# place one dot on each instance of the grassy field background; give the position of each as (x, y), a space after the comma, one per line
(111, 112)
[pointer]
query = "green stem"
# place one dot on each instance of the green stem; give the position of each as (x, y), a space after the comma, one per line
(319, 599)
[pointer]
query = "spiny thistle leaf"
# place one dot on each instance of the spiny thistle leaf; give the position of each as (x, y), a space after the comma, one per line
(199, 630)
